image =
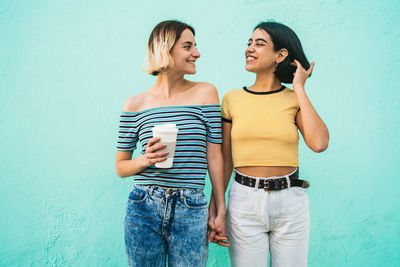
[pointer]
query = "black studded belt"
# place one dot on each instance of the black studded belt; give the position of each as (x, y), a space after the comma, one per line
(272, 184)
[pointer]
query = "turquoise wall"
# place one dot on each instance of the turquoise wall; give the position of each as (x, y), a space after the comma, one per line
(66, 68)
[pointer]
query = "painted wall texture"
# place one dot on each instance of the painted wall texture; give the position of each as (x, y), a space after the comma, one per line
(66, 68)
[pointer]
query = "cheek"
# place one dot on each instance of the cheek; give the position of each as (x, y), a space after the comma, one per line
(177, 56)
(267, 59)
(178, 61)
(182, 57)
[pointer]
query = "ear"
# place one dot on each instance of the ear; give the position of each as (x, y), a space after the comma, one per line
(282, 54)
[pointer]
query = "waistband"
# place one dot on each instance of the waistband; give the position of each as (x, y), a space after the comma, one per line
(156, 190)
(272, 183)
(271, 177)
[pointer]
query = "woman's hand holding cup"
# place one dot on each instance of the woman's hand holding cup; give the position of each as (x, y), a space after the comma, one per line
(151, 156)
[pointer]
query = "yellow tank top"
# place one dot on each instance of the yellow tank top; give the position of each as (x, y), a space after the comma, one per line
(264, 131)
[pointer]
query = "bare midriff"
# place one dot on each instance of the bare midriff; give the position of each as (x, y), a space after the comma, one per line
(264, 171)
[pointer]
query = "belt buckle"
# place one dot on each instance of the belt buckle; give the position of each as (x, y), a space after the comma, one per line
(305, 184)
(266, 185)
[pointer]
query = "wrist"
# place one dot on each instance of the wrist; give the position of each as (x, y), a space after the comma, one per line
(221, 214)
(212, 209)
(211, 216)
(143, 162)
(221, 211)
(298, 87)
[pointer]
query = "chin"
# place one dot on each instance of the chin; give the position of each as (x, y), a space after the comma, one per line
(250, 68)
(191, 71)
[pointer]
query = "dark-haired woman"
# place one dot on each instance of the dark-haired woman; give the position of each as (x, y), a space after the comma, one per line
(166, 215)
(268, 205)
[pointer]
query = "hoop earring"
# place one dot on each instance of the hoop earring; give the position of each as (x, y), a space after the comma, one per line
(163, 71)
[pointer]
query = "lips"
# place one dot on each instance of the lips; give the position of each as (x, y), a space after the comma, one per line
(250, 58)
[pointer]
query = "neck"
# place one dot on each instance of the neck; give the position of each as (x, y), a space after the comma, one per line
(265, 82)
(169, 83)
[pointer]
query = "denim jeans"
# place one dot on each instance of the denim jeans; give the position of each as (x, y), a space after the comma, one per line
(166, 224)
(259, 221)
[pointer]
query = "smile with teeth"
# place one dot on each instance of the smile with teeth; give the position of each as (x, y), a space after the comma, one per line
(250, 58)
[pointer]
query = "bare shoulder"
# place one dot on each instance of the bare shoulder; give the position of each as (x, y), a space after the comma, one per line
(207, 92)
(134, 103)
(206, 86)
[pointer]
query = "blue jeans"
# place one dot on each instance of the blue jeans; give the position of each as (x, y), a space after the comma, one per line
(163, 224)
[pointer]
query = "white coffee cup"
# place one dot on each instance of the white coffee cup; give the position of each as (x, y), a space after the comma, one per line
(167, 134)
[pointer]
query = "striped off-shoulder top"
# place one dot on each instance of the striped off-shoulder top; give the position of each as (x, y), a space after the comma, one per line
(197, 125)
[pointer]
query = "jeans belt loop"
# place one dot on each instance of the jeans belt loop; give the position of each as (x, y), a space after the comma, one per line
(288, 181)
(257, 183)
(181, 193)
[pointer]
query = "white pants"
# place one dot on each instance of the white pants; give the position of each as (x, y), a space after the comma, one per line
(260, 222)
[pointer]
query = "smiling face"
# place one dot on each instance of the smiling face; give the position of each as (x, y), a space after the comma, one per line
(260, 53)
(185, 53)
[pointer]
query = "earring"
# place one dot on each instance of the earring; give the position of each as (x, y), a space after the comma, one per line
(163, 71)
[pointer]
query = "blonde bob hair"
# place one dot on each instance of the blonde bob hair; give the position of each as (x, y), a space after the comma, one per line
(162, 39)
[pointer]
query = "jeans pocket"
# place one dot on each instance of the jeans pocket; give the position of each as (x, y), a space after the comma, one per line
(299, 190)
(237, 192)
(137, 195)
(195, 200)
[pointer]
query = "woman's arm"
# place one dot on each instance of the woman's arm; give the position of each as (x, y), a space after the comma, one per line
(125, 166)
(227, 152)
(227, 172)
(311, 126)
(227, 162)
(209, 95)
(215, 169)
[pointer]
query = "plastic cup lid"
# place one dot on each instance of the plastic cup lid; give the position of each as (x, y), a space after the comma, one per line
(165, 128)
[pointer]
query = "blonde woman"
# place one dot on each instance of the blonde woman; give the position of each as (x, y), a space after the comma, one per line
(166, 214)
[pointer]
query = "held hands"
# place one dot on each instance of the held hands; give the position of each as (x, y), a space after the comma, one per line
(217, 230)
(301, 75)
(151, 156)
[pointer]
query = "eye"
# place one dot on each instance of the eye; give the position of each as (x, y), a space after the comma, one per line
(187, 47)
(259, 44)
(248, 44)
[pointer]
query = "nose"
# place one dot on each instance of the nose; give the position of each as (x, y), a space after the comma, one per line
(250, 48)
(196, 53)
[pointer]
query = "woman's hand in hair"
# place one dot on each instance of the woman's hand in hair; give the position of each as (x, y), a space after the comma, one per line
(310, 124)
(301, 75)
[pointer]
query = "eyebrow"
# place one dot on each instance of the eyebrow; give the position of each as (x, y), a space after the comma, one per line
(259, 39)
(189, 42)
